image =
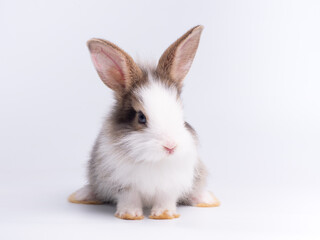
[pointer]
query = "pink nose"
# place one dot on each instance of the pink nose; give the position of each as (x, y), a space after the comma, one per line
(170, 149)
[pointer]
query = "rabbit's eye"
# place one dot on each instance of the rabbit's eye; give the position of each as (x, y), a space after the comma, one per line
(141, 118)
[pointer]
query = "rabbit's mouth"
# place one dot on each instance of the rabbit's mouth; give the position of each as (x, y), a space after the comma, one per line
(170, 147)
(169, 150)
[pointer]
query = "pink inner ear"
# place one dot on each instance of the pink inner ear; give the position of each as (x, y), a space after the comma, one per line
(184, 57)
(96, 62)
(115, 64)
(108, 63)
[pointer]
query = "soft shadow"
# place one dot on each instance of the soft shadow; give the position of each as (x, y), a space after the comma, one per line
(103, 209)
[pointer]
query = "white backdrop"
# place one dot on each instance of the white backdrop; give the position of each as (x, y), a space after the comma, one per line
(252, 94)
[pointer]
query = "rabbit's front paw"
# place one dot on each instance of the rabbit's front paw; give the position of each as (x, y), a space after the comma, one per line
(160, 213)
(129, 214)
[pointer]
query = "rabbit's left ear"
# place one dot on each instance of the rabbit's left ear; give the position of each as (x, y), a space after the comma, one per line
(176, 61)
(115, 67)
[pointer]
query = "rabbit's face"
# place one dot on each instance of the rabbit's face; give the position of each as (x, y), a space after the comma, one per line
(155, 128)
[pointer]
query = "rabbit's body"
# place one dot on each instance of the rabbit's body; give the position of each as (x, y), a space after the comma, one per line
(146, 154)
(110, 173)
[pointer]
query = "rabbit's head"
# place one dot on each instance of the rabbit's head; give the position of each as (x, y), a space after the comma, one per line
(147, 121)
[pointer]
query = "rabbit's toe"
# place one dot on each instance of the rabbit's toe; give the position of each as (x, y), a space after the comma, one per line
(129, 214)
(163, 214)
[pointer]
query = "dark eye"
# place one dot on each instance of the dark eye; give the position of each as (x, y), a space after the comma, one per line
(141, 118)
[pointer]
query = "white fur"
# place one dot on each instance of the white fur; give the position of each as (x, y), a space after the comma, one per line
(158, 177)
(205, 197)
(84, 194)
(129, 203)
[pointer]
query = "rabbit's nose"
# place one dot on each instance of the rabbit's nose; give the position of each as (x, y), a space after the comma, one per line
(170, 147)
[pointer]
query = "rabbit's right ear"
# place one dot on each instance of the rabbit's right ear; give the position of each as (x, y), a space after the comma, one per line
(176, 61)
(115, 67)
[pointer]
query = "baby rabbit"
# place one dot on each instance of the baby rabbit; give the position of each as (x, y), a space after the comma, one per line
(145, 153)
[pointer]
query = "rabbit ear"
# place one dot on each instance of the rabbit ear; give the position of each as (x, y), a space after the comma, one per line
(176, 61)
(115, 67)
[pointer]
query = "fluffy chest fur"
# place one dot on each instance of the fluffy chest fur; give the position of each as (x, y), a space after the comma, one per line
(173, 174)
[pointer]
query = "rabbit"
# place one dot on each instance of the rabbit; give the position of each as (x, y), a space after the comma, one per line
(146, 154)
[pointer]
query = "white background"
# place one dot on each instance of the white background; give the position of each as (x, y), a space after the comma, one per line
(252, 94)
